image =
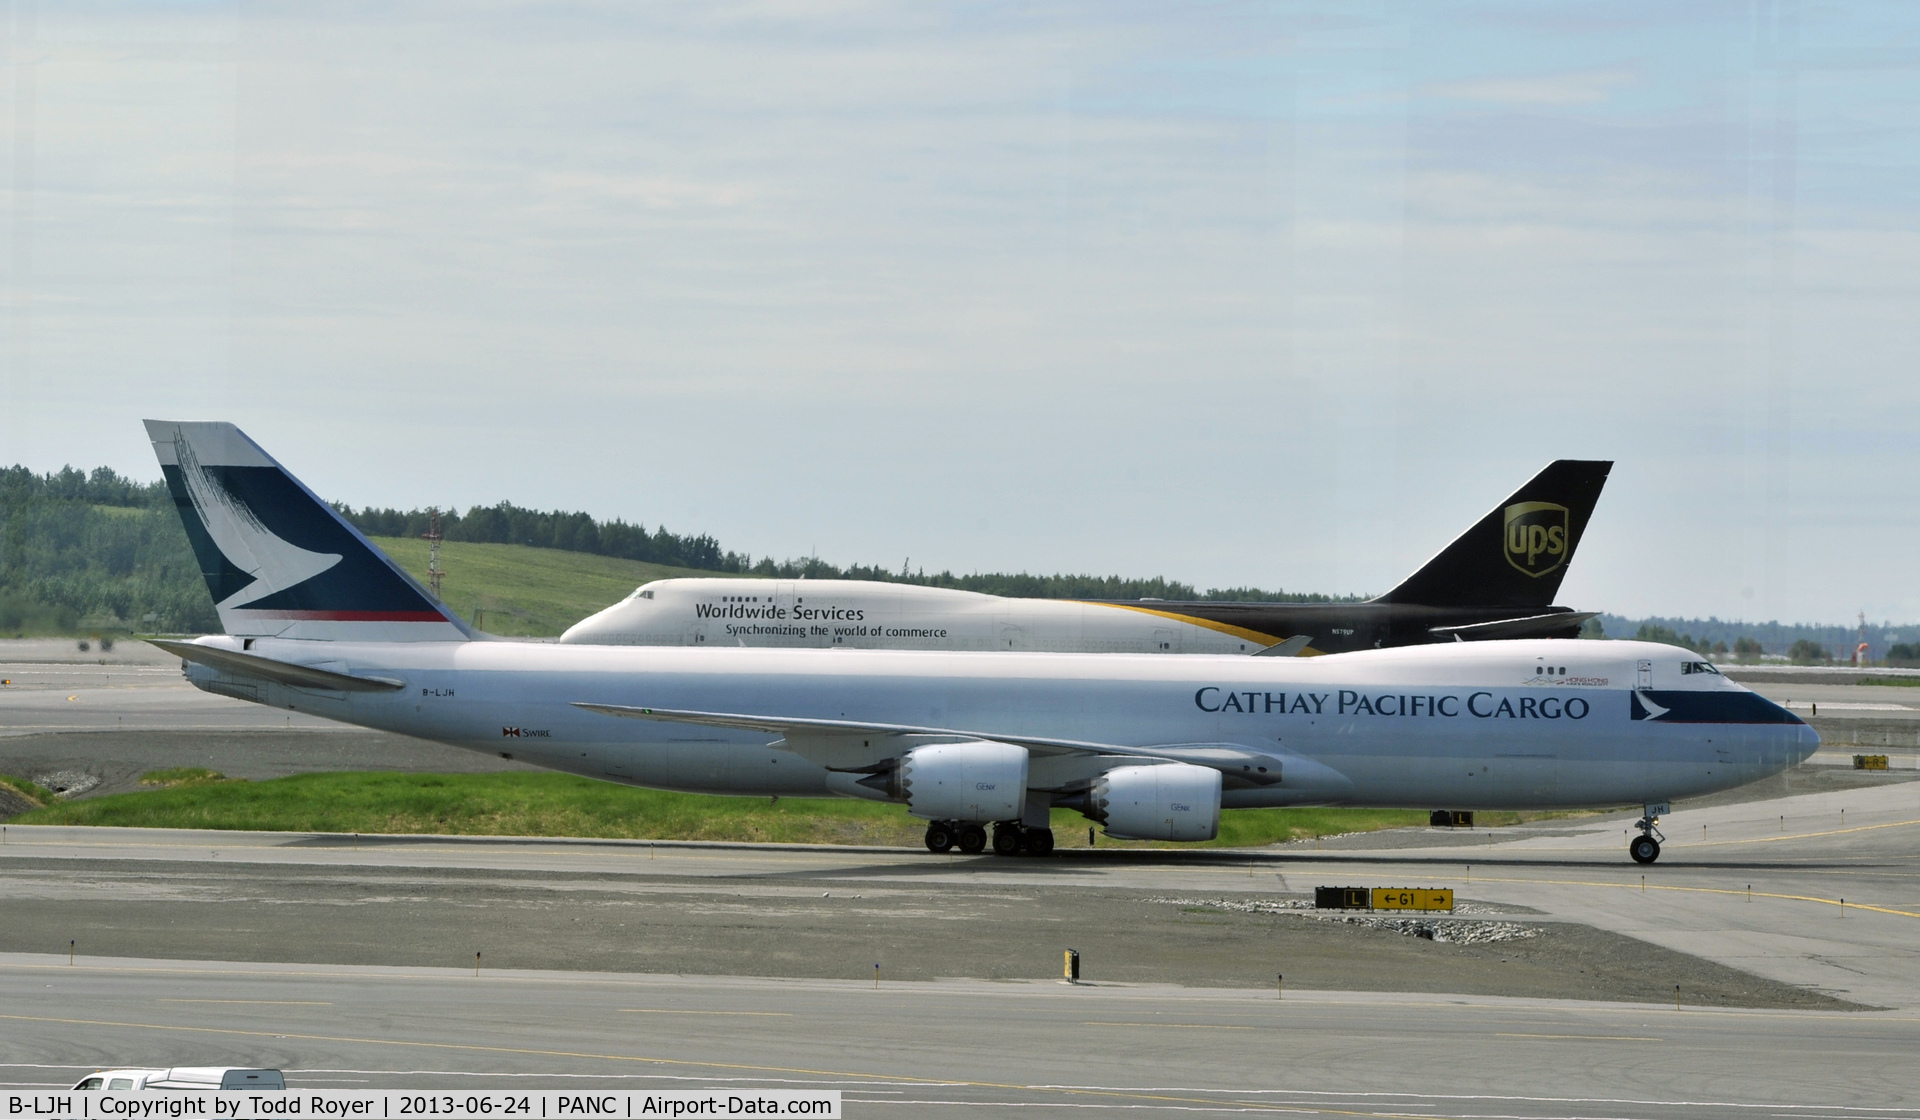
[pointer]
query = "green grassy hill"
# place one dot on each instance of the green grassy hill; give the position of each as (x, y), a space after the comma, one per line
(526, 592)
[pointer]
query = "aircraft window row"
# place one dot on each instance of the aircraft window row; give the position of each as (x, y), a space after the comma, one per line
(1550, 671)
(1687, 667)
(739, 598)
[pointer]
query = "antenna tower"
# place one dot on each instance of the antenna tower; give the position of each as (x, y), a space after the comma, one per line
(433, 537)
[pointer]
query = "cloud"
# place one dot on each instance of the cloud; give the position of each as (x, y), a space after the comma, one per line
(1097, 287)
(1580, 87)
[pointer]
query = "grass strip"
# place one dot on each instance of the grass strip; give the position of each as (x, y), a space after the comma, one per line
(550, 804)
(32, 791)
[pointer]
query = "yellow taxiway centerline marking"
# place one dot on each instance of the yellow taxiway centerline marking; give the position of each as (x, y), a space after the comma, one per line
(271, 1002)
(1169, 1026)
(1595, 1037)
(1797, 835)
(665, 1011)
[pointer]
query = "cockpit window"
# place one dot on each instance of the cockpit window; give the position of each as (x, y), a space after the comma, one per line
(1687, 667)
(641, 593)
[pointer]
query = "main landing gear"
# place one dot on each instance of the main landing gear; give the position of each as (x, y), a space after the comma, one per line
(944, 836)
(1009, 839)
(1645, 848)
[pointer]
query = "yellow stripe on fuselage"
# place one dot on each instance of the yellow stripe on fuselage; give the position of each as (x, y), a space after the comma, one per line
(1264, 640)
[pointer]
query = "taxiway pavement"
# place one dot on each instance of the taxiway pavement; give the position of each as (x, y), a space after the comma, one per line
(347, 961)
(957, 1048)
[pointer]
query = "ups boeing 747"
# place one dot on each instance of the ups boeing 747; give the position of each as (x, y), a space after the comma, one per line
(1497, 580)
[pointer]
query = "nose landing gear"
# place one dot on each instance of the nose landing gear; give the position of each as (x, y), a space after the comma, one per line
(1645, 848)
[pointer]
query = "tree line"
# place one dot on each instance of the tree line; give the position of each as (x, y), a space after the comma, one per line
(1803, 651)
(1801, 643)
(506, 523)
(96, 549)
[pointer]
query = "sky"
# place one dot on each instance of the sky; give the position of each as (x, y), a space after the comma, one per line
(1282, 295)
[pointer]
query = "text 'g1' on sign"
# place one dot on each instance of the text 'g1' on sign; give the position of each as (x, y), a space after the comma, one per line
(1386, 898)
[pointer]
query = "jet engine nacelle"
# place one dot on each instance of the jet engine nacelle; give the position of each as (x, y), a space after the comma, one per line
(964, 781)
(1174, 801)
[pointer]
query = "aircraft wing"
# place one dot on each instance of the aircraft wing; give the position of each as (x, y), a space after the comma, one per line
(1230, 758)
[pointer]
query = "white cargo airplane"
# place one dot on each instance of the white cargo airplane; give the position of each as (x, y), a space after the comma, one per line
(865, 614)
(1496, 580)
(317, 620)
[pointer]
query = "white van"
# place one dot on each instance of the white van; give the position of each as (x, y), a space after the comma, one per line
(184, 1077)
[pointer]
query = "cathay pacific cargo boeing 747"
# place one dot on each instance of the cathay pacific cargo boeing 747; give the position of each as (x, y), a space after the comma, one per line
(317, 620)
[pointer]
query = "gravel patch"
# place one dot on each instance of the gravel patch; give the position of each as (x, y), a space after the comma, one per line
(67, 783)
(1450, 930)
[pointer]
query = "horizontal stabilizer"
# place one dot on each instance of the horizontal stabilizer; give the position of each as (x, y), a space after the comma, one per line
(1557, 624)
(279, 672)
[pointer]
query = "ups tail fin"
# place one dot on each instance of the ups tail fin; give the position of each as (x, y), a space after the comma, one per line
(278, 560)
(1517, 554)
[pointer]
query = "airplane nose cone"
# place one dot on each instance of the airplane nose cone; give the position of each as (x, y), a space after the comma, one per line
(603, 627)
(583, 632)
(1809, 742)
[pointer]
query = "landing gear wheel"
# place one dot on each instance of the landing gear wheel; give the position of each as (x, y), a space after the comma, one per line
(1040, 841)
(940, 837)
(1006, 841)
(1644, 849)
(973, 839)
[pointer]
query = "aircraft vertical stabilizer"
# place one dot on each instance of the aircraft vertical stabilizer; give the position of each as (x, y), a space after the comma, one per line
(1518, 553)
(278, 560)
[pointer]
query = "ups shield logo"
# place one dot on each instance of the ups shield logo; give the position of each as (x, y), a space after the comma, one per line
(1536, 537)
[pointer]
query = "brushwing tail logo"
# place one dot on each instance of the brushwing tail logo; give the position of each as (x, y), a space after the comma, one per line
(247, 544)
(1536, 537)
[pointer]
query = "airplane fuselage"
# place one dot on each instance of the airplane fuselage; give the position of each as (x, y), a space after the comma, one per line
(858, 614)
(1487, 725)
